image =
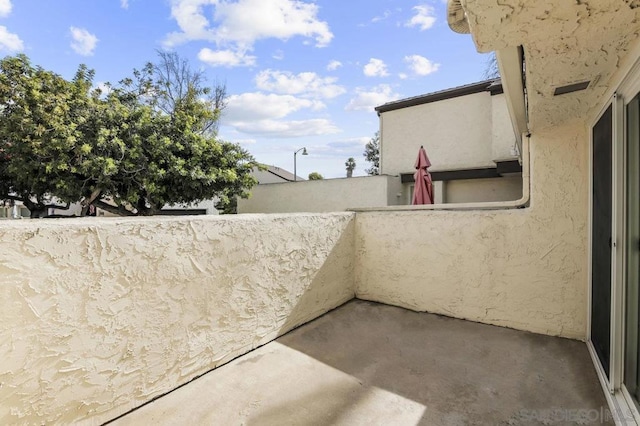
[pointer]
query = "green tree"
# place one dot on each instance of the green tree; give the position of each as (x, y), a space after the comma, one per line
(42, 146)
(351, 165)
(372, 154)
(166, 150)
(118, 150)
(315, 176)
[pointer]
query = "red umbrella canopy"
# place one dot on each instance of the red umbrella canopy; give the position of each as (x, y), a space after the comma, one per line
(423, 191)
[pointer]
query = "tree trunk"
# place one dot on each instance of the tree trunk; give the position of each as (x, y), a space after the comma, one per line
(142, 208)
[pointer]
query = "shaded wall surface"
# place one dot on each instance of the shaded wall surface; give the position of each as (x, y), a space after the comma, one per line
(522, 268)
(483, 190)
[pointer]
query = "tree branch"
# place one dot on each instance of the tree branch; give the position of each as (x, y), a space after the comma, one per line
(57, 206)
(119, 210)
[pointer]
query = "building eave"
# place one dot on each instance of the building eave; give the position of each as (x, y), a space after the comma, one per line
(493, 86)
(510, 63)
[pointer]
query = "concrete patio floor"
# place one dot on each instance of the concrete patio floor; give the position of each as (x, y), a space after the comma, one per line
(371, 364)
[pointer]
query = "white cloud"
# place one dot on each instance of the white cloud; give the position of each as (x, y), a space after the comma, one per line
(348, 145)
(191, 19)
(83, 42)
(375, 68)
(420, 65)
(262, 114)
(288, 129)
(367, 100)
(424, 17)
(236, 26)
(308, 84)
(342, 148)
(384, 16)
(334, 65)
(278, 55)
(124, 4)
(105, 87)
(226, 58)
(259, 106)
(9, 41)
(246, 21)
(5, 8)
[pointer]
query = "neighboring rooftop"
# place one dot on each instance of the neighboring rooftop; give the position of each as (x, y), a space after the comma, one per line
(277, 172)
(284, 174)
(494, 86)
(368, 363)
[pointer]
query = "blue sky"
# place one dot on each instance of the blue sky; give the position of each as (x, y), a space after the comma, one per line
(298, 73)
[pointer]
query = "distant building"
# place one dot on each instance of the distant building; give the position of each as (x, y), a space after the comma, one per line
(273, 174)
(468, 137)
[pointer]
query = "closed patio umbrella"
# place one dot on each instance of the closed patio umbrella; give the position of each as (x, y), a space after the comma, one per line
(423, 190)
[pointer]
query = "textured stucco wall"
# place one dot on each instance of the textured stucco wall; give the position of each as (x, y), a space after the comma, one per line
(328, 195)
(522, 268)
(457, 133)
(564, 42)
(99, 316)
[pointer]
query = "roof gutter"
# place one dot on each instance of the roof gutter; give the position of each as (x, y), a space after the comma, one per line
(511, 66)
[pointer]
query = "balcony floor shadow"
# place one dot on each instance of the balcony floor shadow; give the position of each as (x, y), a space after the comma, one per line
(366, 363)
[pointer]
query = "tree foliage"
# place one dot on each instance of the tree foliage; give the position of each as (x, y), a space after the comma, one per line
(130, 150)
(372, 154)
(350, 164)
(43, 121)
(491, 70)
(315, 176)
(174, 79)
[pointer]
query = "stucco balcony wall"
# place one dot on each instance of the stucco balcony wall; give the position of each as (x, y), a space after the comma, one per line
(99, 316)
(520, 268)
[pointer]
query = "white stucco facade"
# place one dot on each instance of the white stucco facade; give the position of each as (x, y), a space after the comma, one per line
(468, 131)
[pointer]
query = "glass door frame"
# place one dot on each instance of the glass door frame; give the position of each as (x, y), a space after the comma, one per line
(618, 396)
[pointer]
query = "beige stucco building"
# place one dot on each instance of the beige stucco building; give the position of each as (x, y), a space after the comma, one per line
(468, 136)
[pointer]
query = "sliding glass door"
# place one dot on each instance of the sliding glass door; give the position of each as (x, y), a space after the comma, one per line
(632, 250)
(601, 226)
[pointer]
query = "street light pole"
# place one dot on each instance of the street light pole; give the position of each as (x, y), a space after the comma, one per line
(295, 154)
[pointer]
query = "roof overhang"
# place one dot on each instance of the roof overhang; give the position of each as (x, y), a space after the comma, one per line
(492, 86)
(511, 65)
(563, 43)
